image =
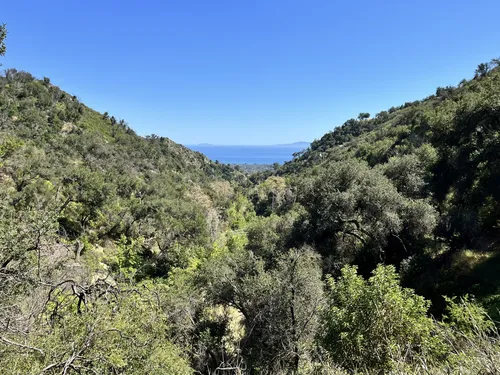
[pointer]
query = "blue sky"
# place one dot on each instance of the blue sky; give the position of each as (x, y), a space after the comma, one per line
(248, 72)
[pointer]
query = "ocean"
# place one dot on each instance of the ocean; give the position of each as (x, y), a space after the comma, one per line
(250, 154)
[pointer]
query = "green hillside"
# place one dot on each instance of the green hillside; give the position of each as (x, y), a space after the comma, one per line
(440, 154)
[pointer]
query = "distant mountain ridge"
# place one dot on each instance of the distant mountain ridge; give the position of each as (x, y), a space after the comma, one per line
(294, 144)
(248, 154)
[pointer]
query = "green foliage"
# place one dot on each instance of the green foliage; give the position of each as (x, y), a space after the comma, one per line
(129, 255)
(367, 324)
(408, 174)
(467, 317)
(482, 70)
(356, 213)
(269, 236)
(3, 35)
(273, 195)
(439, 153)
(279, 305)
(240, 213)
(126, 334)
(83, 198)
(9, 146)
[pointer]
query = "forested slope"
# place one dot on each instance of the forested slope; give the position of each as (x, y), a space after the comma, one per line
(86, 204)
(440, 157)
(128, 255)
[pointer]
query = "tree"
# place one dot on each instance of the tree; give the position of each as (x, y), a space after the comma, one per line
(468, 168)
(411, 173)
(279, 305)
(271, 195)
(495, 62)
(3, 36)
(444, 92)
(356, 214)
(482, 70)
(363, 116)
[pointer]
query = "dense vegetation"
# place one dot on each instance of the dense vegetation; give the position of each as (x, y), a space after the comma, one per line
(374, 251)
(428, 174)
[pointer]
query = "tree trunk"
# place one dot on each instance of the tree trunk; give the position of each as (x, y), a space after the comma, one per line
(78, 250)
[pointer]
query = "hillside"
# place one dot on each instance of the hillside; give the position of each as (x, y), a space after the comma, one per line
(40, 112)
(86, 203)
(94, 164)
(375, 251)
(441, 151)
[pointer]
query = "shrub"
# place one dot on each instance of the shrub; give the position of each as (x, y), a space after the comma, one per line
(369, 324)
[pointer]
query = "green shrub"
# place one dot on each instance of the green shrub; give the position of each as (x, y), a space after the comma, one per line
(367, 324)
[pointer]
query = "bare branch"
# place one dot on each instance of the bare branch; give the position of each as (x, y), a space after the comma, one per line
(7, 341)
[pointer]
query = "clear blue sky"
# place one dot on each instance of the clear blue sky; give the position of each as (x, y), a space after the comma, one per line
(248, 72)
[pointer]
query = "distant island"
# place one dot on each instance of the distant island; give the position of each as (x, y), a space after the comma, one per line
(250, 154)
(294, 144)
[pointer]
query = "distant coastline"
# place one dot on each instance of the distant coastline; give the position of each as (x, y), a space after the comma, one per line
(294, 144)
(250, 154)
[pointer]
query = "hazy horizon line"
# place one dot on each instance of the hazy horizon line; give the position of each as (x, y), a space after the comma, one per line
(248, 145)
